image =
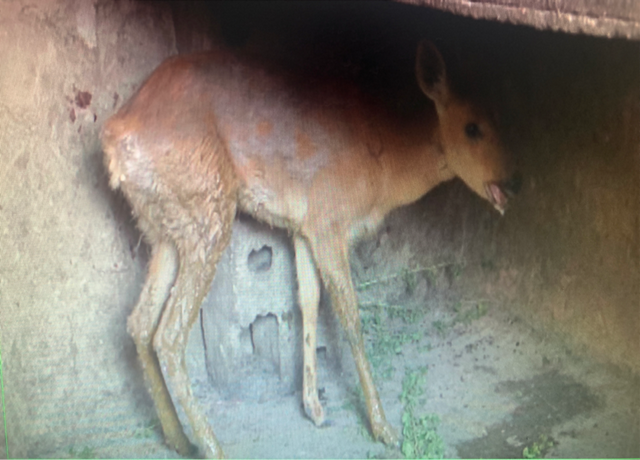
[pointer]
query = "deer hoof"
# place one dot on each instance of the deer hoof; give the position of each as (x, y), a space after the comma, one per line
(213, 452)
(315, 412)
(387, 434)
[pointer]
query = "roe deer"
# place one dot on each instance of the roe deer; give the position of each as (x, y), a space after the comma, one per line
(211, 134)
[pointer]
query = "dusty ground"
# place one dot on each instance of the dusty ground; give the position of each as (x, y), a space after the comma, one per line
(496, 385)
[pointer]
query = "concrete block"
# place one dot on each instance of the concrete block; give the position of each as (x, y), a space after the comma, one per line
(251, 310)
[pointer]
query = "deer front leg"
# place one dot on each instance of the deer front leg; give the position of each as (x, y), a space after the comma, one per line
(331, 255)
(309, 297)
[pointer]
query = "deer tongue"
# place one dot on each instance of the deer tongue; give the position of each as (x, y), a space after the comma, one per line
(496, 196)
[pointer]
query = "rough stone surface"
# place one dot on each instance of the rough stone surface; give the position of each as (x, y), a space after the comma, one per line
(252, 307)
(607, 18)
(70, 264)
(254, 281)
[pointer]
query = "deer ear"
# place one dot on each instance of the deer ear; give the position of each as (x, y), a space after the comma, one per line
(431, 73)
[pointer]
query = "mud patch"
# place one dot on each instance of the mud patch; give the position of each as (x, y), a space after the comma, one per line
(546, 401)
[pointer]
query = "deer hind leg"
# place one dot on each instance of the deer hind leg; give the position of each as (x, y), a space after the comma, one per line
(142, 324)
(309, 297)
(332, 258)
(198, 256)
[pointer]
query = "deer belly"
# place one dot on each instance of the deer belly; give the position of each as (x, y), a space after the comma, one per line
(281, 205)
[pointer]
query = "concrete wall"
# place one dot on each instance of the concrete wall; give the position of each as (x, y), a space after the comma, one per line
(69, 267)
(567, 257)
(577, 238)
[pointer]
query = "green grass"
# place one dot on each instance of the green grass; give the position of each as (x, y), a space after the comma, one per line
(407, 315)
(441, 327)
(409, 278)
(420, 436)
(148, 430)
(538, 449)
(383, 342)
(86, 452)
(4, 412)
(467, 315)
(474, 310)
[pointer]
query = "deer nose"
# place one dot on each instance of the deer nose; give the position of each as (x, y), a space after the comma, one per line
(513, 185)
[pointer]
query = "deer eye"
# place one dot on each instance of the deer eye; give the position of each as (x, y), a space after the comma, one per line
(472, 130)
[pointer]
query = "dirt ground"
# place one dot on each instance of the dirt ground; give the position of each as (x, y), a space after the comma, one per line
(495, 384)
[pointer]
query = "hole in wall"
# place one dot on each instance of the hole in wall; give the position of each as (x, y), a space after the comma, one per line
(260, 261)
(264, 336)
(321, 353)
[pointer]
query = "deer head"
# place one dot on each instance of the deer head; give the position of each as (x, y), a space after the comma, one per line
(469, 140)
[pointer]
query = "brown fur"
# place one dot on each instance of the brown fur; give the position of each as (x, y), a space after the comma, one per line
(210, 134)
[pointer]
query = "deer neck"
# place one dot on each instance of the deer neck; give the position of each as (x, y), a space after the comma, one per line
(416, 162)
